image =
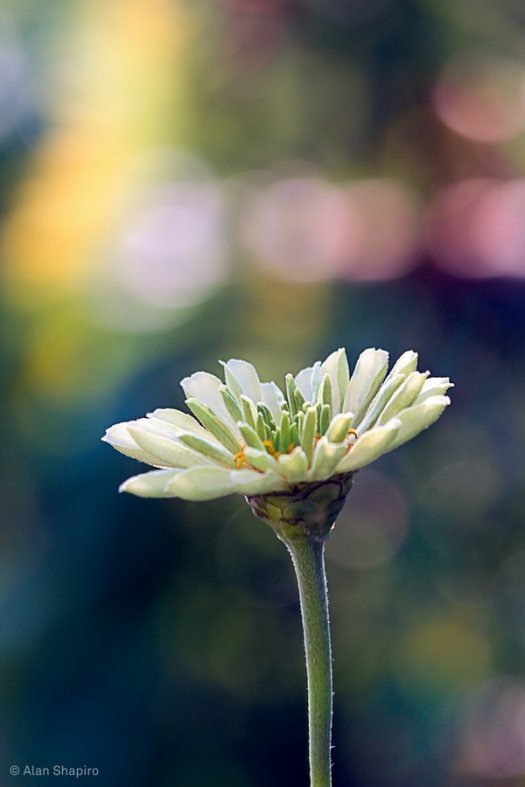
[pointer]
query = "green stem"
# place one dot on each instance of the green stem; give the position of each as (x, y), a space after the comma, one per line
(308, 560)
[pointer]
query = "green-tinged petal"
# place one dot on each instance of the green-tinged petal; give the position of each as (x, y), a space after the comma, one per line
(405, 364)
(294, 466)
(242, 377)
(207, 448)
(178, 420)
(272, 398)
(284, 434)
(434, 386)
(325, 417)
(251, 437)
(249, 411)
(249, 482)
(152, 484)
(369, 447)
(291, 390)
(215, 425)
(231, 404)
(263, 461)
(206, 388)
(262, 429)
(418, 417)
(326, 457)
(324, 394)
(369, 373)
(404, 397)
(378, 403)
(336, 366)
(167, 451)
(309, 432)
(267, 414)
(339, 427)
(201, 483)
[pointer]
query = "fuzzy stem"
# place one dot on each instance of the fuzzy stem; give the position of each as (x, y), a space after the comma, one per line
(308, 560)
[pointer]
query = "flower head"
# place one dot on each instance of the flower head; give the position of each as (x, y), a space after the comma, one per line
(252, 438)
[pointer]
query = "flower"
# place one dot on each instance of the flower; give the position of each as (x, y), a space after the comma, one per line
(249, 437)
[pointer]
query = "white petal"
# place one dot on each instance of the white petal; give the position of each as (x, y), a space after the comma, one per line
(249, 482)
(378, 403)
(263, 461)
(404, 397)
(205, 387)
(166, 450)
(181, 421)
(405, 364)
(118, 437)
(369, 373)
(272, 398)
(418, 417)
(151, 484)
(294, 465)
(369, 447)
(308, 381)
(246, 377)
(336, 367)
(339, 426)
(434, 386)
(303, 381)
(326, 458)
(201, 483)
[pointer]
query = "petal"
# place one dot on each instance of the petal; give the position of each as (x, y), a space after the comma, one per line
(221, 430)
(242, 378)
(263, 461)
(336, 367)
(272, 398)
(418, 417)
(206, 388)
(405, 364)
(207, 448)
(120, 439)
(369, 373)
(167, 451)
(339, 426)
(308, 381)
(201, 483)
(326, 458)
(249, 482)
(434, 386)
(404, 397)
(378, 403)
(152, 484)
(179, 420)
(294, 465)
(369, 447)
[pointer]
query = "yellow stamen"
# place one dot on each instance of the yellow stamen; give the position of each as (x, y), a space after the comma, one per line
(239, 459)
(290, 448)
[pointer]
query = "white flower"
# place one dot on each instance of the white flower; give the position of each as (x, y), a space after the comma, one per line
(249, 437)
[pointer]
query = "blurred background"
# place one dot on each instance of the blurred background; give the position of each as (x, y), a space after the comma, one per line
(265, 179)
